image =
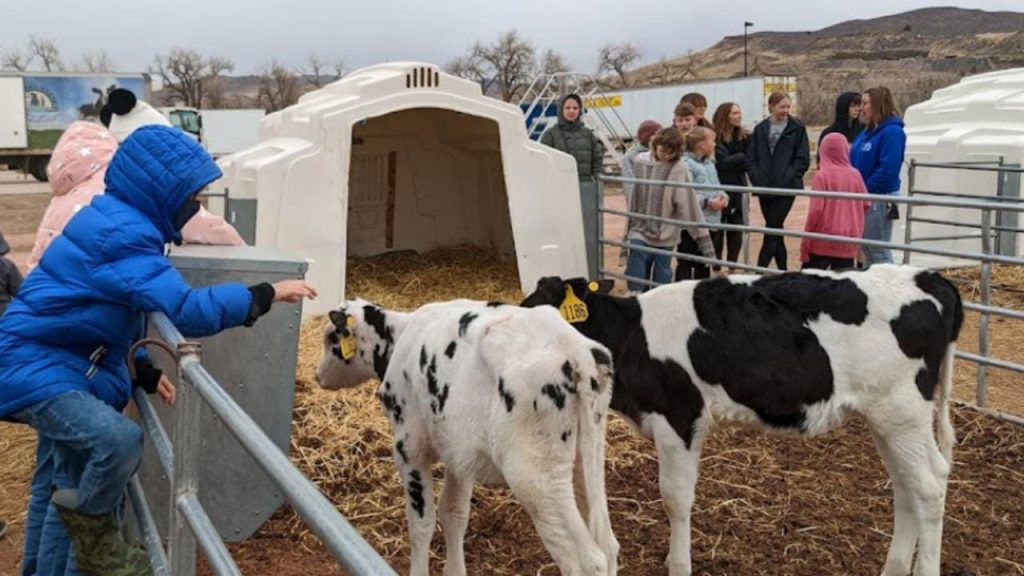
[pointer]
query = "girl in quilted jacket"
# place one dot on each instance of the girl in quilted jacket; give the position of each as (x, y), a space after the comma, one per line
(700, 162)
(76, 172)
(64, 338)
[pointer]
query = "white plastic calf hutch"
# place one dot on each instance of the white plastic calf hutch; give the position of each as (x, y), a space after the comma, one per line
(402, 156)
(980, 119)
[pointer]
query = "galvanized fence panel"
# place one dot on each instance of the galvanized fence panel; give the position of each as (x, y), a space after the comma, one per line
(190, 526)
(986, 257)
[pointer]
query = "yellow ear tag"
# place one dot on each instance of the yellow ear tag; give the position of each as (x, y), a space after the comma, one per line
(593, 286)
(348, 343)
(573, 309)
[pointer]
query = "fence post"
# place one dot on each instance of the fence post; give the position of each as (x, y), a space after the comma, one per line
(600, 230)
(1007, 186)
(908, 223)
(186, 438)
(986, 300)
(745, 206)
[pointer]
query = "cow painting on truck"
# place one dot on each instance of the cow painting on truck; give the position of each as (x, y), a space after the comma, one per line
(36, 108)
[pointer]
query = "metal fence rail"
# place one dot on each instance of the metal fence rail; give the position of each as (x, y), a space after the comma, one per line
(189, 524)
(985, 257)
(1007, 191)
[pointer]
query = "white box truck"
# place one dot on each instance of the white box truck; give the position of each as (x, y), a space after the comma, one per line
(616, 114)
(36, 108)
(657, 103)
(228, 131)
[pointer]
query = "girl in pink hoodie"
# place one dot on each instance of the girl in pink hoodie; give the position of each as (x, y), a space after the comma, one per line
(76, 172)
(836, 217)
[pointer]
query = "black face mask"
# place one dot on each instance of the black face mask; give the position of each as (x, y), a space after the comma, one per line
(189, 209)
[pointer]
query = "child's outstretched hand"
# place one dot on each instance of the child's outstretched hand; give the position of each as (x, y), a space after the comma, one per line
(293, 290)
(166, 390)
(719, 203)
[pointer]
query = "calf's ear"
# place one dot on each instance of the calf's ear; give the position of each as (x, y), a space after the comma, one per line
(603, 286)
(338, 318)
(578, 286)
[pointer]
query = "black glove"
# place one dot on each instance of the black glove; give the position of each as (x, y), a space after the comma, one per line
(146, 375)
(262, 298)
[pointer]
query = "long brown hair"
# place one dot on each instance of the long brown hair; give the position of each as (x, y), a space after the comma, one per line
(723, 127)
(883, 106)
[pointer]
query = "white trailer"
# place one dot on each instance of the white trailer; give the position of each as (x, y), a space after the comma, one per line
(228, 131)
(657, 103)
(36, 108)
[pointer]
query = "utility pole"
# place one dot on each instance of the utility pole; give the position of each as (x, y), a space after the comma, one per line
(745, 26)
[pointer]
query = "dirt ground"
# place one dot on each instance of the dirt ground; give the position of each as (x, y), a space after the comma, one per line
(765, 504)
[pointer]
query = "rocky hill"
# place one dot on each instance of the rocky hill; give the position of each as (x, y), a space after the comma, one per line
(913, 53)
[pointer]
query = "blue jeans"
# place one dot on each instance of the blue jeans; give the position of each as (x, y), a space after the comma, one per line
(877, 226)
(47, 547)
(83, 444)
(656, 267)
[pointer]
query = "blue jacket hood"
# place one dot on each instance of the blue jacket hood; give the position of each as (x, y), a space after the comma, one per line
(155, 170)
(889, 123)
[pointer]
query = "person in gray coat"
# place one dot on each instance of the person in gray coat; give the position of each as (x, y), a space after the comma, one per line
(571, 136)
(10, 276)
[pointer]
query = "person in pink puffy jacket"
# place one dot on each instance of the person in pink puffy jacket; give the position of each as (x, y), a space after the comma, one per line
(77, 167)
(833, 216)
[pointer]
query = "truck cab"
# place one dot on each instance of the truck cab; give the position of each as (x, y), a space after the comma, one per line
(189, 120)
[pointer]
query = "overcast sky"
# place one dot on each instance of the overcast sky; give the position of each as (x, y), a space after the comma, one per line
(371, 31)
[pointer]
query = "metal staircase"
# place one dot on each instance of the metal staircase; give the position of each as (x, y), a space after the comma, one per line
(539, 104)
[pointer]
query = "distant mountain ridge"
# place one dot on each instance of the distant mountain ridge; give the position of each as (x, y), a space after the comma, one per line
(913, 53)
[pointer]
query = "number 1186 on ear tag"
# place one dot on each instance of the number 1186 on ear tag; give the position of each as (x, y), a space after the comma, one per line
(573, 309)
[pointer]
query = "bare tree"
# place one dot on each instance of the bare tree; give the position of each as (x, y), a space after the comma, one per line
(470, 68)
(617, 58)
(45, 50)
(553, 63)
(14, 59)
(98, 61)
(217, 65)
(321, 72)
(512, 60)
(189, 77)
(278, 86)
(508, 64)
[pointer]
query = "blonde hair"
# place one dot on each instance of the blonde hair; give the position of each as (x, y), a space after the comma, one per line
(695, 136)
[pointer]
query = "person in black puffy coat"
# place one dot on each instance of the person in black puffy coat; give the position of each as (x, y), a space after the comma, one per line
(777, 157)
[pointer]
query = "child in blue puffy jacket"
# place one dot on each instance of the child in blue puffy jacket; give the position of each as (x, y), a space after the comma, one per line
(64, 338)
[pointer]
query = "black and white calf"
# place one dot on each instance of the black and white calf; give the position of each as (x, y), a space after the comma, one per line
(798, 352)
(499, 394)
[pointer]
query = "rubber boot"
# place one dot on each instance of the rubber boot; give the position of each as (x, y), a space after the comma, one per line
(99, 549)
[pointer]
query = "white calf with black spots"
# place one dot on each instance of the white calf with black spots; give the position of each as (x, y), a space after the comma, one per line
(792, 352)
(500, 395)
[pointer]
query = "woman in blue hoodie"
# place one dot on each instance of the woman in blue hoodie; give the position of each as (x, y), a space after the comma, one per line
(65, 337)
(878, 154)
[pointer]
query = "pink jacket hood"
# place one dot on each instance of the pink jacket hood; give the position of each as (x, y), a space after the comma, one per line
(833, 216)
(81, 155)
(77, 167)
